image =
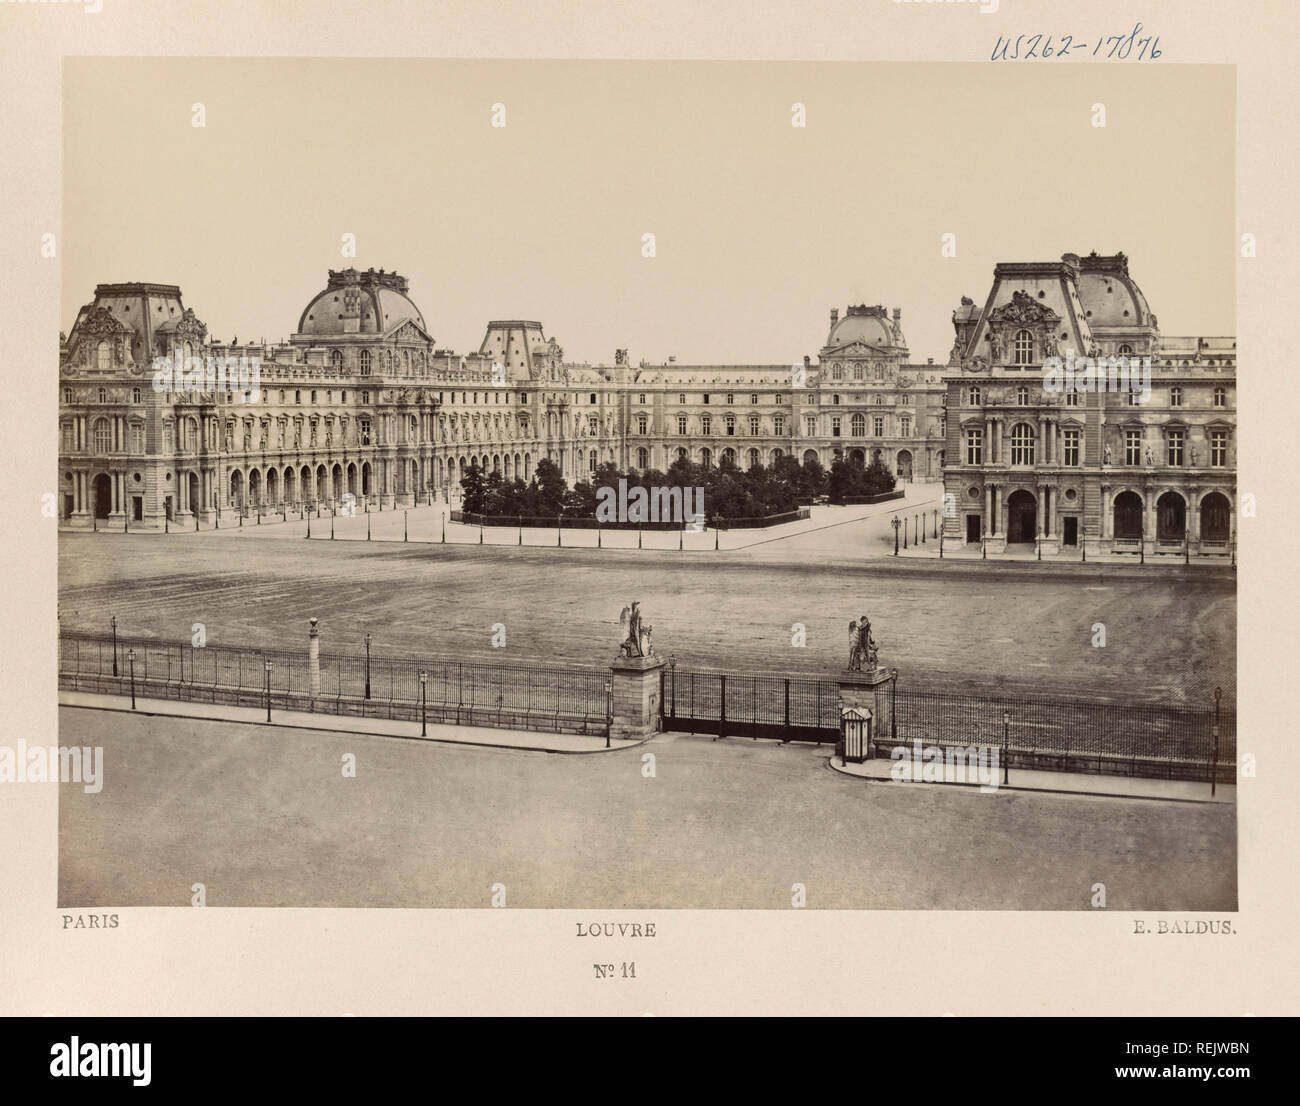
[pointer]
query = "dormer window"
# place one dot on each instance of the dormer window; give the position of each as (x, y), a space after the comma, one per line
(1024, 347)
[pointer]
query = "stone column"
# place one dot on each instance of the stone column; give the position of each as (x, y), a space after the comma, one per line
(634, 697)
(871, 693)
(313, 657)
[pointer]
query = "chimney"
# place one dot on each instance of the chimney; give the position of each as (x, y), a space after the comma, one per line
(835, 315)
(807, 361)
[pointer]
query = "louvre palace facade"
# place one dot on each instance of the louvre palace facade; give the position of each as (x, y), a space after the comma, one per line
(360, 408)
(1146, 467)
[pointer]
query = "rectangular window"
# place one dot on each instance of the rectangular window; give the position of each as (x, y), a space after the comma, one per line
(835, 426)
(812, 427)
(1218, 448)
(67, 438)
(778, 425)
(365, 431)
(137, 439)
(1132, 447)
(706, 425)
(753, 426)
(878, 425)
(1175, 444)
(1175, 397)
(1070, 446)
(681, 424)
(974, 447)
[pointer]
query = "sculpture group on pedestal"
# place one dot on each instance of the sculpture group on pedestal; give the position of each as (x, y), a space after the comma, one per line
(863, 649)
(636, 636)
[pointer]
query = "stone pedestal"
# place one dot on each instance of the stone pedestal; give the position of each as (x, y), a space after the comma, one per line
(870, 693)
(634, 697)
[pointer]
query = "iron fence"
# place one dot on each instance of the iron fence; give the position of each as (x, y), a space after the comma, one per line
(1138, 739)
(470, 692)
(1042, 732)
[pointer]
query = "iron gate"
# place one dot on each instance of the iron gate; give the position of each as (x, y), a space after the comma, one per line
(730, 704)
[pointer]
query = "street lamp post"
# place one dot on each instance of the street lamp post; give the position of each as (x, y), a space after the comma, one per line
(269, 666)
(894, 523)
(1214, 766)
(113, 621)
(367, 666)
(609, 712)
(130, 656)
(672, 668)
(424, 704)
(1006, 741)
(922, 518)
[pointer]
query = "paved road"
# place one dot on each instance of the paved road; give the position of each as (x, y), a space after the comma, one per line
(264, 817)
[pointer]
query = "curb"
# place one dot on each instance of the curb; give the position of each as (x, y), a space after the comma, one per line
(830, 763)
(359, 733)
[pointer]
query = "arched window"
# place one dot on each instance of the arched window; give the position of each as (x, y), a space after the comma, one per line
(835, 401)
(858, 425)
(103, 356)
(1024, 347)
(336, 360)
(135, 395)
(1125, 350)
(681, 397)
(103, 436)
(591, 461)
(753, 458)
(365, 362)
(1022, 444)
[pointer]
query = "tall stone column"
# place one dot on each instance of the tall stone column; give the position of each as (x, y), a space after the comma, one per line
(313, 657)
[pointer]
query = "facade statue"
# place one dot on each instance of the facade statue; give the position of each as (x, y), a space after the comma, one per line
(995, 345)
(636, 635)
(863, 649)
(1050, 346)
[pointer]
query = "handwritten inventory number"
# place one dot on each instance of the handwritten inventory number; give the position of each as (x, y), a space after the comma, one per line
(1120, 47)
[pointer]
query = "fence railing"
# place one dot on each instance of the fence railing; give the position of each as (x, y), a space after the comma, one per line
(1046, 733)
(466, 692)
(1041, 732)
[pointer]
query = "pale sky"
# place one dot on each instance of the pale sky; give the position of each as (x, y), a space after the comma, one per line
(760, 227)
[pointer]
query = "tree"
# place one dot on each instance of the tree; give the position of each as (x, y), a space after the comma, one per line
(473, 491)
(551, 487)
